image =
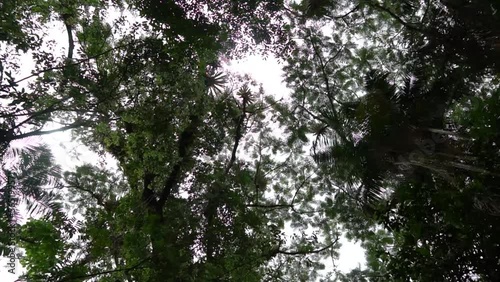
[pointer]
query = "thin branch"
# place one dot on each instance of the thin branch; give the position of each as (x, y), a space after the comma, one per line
(283, 164)
(40, 132)
(263, 108)
(329, 93)
(300, 187)
(27, 240)
(313, 115)
(49, 109)
(282, 206)
(278, 206)
(427, 8)
(67, 65)
(323, 70)
(396, 17)
(470, 168)
(304, 252)
(341, 17)
(257, 171)
(97, 197)
(91, 275)
(293, 12)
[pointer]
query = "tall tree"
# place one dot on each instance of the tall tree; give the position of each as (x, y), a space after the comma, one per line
(185, 204)
(393, 138)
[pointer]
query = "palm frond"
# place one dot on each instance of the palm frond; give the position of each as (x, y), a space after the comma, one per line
(246, 94)
(9, 212)
(214, 80)
(377, 81)
(28, 178)
(372, 189)
(18, 147)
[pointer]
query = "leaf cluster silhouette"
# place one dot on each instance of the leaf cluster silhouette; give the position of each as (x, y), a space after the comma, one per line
(389, 137)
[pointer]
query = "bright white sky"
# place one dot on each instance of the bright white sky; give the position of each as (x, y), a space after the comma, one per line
(266, 71)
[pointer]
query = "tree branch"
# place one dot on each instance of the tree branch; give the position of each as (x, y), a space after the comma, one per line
(341, 17)
(323, 70)
(91, 275)
(49, 109)
(67, 65)
(396, 17)
(97, 197)
(67, 17)
(305, 252)
(278, 206)
(313, 115)
(148, 195)
(71, 42)
(237, 139)
(40, 132)
(185, 144)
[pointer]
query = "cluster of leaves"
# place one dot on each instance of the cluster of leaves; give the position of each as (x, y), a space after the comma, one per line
(397, 101)
(29, 177)
(236, 26)
(400, 98)
(184, 204)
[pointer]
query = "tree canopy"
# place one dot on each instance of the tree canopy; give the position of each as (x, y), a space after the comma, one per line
(389, 137)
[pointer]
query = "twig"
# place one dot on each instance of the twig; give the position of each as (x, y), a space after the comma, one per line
(68, 65)
(40, 132)
(90, 275)
(341, 17)
(396, 17)
(308, 252)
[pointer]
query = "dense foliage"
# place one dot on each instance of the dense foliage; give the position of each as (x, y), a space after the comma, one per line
(404, 123)
(389, 137)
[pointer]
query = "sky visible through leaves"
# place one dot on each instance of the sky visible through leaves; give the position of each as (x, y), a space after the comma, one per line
(250, 140)
(266, 70)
